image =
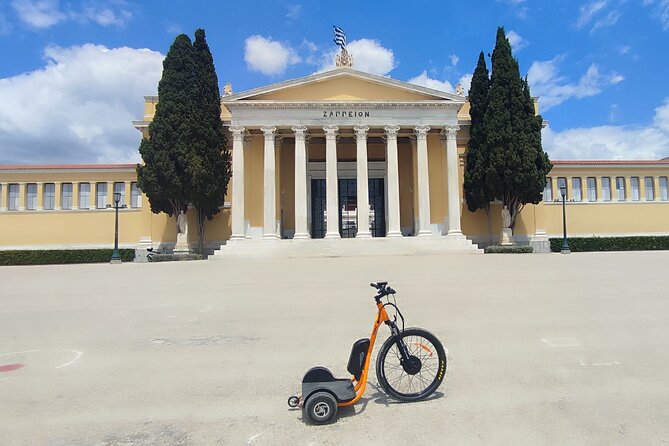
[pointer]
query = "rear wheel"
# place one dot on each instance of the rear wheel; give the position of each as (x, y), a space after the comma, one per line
(321, 407)
(419, 376)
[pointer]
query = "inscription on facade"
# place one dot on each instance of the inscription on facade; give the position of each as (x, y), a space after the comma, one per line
(345, 114)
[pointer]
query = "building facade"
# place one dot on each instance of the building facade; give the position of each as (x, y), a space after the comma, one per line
(340, 154)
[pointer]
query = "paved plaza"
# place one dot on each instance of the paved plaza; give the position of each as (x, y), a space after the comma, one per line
(542, 349)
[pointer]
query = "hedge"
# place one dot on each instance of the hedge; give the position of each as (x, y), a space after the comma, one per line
(635, 243)
(62, 256)
(511, 249)
(174, 257)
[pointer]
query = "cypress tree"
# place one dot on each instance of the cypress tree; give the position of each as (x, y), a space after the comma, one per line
(163, 176)
(208, 160)
(477, 194)
(517, 166)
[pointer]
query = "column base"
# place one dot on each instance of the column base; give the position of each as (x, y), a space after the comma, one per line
(455, 235)
(394, 234)
(301, 236)
(332, 235)
(424, 233)
(270, 237)
(363, 234)
(237, 238)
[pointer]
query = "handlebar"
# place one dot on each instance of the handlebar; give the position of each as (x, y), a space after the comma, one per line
(383, 289)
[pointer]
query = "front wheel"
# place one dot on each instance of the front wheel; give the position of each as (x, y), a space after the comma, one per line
(419, 376)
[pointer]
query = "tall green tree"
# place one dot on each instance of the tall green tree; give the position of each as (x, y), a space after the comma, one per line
(517, 166)
(477, 193)
(208, 160)
(163, 176)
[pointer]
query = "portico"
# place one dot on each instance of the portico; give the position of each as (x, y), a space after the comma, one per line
(377, 138)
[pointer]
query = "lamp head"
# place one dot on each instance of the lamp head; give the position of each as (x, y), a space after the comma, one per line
(563, 191)
(117, 197)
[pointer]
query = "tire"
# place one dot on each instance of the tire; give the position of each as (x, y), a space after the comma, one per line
(429, 358)
(321, 408)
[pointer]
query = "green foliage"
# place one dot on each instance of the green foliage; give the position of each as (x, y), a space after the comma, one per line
(62, 256)
(634, 243)
(477, 194)
(163, 176)
(174, 257)
(511, 249)
(208, 161)
(509, 163)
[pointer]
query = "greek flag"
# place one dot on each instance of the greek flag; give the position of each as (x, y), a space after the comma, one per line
(339, 37)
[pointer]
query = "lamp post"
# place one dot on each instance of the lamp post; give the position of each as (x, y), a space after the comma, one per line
(116, 257)
(565, 245)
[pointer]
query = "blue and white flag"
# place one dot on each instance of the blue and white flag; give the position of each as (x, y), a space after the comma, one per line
(339, 37)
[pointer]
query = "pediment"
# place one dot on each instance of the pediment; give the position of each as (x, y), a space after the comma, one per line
(342, 84)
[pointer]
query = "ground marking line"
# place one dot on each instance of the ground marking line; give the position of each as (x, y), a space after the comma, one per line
(597, 364)
(561, 342)
(77, 354)
(253, 438)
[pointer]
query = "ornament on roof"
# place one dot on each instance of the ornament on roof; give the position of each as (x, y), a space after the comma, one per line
(459, 90)
(343, 59)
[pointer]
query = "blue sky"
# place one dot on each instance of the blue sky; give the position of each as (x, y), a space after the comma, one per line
(73, 72)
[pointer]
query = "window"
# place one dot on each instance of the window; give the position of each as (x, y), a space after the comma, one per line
(66, 196)
(663, 189)
(649, 188)
(606, 188)
(120, 188)
(13, 197)
(592, 189)
(101, 195)
(634, 185)
(84, 195)
(31, 196)
(562, 184)
(548, 190)
(49, 196)
(576, 189)
(620, 188)
(136, 196)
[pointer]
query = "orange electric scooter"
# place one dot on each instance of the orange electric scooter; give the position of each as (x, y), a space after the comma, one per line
(410, 367)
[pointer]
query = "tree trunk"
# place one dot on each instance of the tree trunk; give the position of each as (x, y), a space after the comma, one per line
(201, 226)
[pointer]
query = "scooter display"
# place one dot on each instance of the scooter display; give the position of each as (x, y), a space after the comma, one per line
(410, 366)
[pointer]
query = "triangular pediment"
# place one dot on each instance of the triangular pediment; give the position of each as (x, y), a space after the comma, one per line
(342, 84)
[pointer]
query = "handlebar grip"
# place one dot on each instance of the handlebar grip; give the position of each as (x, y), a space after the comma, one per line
(373, 285)
(390, 290)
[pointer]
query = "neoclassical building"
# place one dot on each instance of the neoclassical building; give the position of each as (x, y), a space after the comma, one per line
(335, 155)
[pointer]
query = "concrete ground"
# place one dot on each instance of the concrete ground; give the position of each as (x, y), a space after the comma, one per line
(542, 349)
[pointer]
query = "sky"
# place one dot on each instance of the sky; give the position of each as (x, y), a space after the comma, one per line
(73, 73)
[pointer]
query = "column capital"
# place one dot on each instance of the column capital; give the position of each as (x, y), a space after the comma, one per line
(421, 131)
(391, 130)
(269, 131)
(450, 131)
(361, 131)
(238, 132)
(300, 131)
(330, 131)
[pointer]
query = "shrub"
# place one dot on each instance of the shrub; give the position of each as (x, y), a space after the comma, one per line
(511, 249)
(62, 256)
(634, 243)
(174, 257)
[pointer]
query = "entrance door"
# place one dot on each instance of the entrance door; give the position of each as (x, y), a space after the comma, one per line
(348, 207)
(318, 208)
(377, 204)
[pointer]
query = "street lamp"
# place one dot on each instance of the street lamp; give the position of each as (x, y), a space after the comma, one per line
(116, 257)
(565, 245)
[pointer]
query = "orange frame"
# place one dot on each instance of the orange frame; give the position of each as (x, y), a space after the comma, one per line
(360, 385)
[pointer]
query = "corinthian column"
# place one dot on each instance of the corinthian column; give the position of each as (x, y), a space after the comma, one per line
(393, 181)
(423, 181)
(454, 230)
(362, 180)
(331, 181)
(301, 231)
(238, 226)
(269, 187)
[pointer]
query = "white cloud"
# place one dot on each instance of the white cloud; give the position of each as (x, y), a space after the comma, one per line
(516, 41)
(588, 11)
(293, 11)
(368, 55)
(466, 82)
(454, 59)
(424, 80)
(39, 14)
(268, 56)
(609, 19)
(42, 14)
(622, 142)
(660, 10)
(78, 107)
(553, 89)
(624, 49)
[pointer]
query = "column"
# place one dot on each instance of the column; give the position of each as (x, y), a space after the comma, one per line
(128, 193)
(4, 196)
(393, 181)
(22, 196)
(301, 231)
(331, 181)
(75, 195)
(40, 196)
(362, 180)
(423, 181)
(269, 184)
(58, 192)
(238, 225)
(453, 172)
